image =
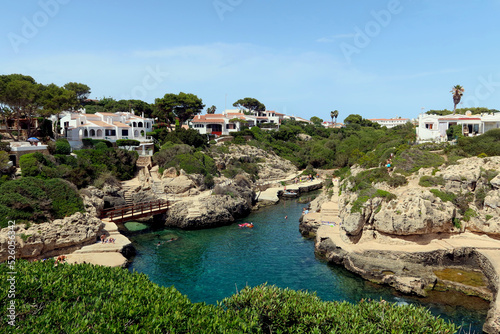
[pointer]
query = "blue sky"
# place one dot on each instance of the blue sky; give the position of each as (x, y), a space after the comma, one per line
(379, 59)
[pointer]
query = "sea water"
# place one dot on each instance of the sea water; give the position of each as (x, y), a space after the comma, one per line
(209, 265)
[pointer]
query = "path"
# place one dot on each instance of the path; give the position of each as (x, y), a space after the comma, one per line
(271, 194)
(103, 254)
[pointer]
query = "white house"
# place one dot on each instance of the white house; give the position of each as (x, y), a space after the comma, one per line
(108, 126)
(390, 122)
(433, 127)
(227, 122)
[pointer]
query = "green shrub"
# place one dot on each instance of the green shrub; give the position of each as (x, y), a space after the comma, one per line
(385, 194)
(85, 298)
(33, 199)
(468, 214)
(488, 217)
(411, 160)
(127, 142)
(62, 146)
(444, 196)
(397, 180)
(429, 181)
(357, 205)
(106, 178)
(286, 311)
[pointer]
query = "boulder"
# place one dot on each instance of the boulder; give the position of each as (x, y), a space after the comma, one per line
(353, 224)
(416, 212)
(304, 137)
(178, 185)
(481, 225)
(495, 182)
(492, 200)
(54, 238)
(169, 173)
(211, 211)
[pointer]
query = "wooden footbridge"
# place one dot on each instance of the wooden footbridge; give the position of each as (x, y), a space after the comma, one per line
(125, 213)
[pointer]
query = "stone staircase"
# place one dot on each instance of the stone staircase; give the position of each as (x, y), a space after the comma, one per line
(330, 211)
(158, 189)
(127, 195)
(144, 161)
(193, 210)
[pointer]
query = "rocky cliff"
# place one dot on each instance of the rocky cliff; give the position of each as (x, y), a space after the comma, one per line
(460, 197)
(54, 238)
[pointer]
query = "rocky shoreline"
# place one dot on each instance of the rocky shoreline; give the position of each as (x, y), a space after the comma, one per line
(409, 242)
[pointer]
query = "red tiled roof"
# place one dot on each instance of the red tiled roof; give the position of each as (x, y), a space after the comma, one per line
(121, 125)
(211, 120)
(388, 119)
(102, 124)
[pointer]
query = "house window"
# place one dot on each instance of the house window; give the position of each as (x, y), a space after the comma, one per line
(109, 132)
(428, 126)
(66, 124)
(125, 132)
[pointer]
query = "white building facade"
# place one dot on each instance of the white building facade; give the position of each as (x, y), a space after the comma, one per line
(433, 127)
(232, 121)
(108, 126)
(390, 122)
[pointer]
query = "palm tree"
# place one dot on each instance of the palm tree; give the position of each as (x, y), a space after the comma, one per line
(457, 91)
(335, 114)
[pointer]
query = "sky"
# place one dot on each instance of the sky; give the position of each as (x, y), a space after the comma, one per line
(375, 58)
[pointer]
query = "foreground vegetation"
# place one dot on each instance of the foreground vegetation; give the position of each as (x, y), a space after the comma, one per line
(92, 299)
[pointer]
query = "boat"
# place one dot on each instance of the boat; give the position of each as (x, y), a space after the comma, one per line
(249, 225)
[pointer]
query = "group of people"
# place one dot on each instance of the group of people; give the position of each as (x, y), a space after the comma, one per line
(105, 240)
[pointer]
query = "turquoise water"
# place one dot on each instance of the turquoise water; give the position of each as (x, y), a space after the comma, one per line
(209, 265)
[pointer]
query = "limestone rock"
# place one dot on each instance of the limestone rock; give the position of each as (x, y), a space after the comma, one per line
(212, 211)
(353, 223)
(53, 238)
(178, 185)
(492, 200)
(418, 212)
(495, 182)
(304, 137)
(169, 173)
(481, 225)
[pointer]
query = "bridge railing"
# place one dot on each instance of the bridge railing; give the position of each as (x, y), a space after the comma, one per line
(136, 210)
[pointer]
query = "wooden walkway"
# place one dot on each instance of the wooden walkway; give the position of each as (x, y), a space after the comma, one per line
(131, 212)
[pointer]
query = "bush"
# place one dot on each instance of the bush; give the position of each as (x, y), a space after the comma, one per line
(429, 181)
(106, 178)
(62, 146)
(286, 311)
(34, 199)
(127, 142)
(397, 180)
(411, 160)
(84, 298)
(444, 196)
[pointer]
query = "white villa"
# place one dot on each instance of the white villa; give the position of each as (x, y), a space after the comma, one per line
(433, 127)
(390, 122)
(225, 123)
(108, 126)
